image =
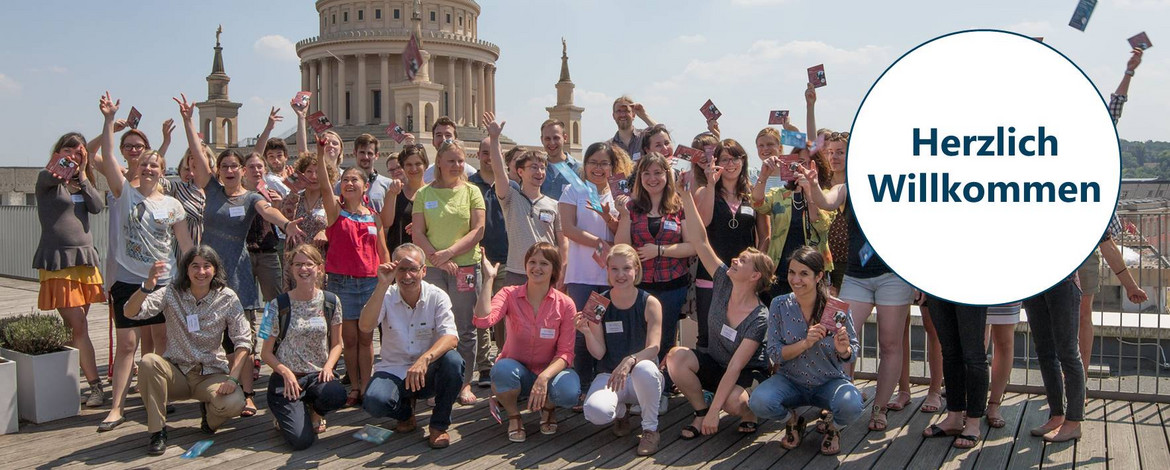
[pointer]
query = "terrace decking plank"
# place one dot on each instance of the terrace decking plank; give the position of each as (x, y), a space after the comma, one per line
(1028, 451)
(1122, 437)
(1151, 436)
(1091, 446)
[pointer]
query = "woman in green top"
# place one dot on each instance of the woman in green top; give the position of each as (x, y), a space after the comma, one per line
(448, 221)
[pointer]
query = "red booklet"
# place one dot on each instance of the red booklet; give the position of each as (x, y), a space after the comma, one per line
(689, 154)
(319, 122)
(465, 278)
(788, 166)
(1141, 41)
(302, 98)
(64, 167)
(395, 131)
(619, 184)
(816, 76)
(710, 111)
(595, 307)
(133, 118)
(835, 315)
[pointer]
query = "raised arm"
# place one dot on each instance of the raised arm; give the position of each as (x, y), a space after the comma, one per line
(325, 185)
(494, 129)
(1122, 94)
(302, 132)
(640, 111)
(168, 128)
(200, 167)
(707, 194)
(109, 166)
(832, 199)
(373, 308)
(262, 141)
(698, 236)
(622, 234)
(810, 104)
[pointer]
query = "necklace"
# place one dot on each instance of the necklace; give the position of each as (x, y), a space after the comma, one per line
(798, 202)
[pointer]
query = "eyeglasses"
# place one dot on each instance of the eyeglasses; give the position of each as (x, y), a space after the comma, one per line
(229, 167)
(536, 168)
(133, 147)
(304, 265)
(409, 270)
(599, 164)
(729, 160)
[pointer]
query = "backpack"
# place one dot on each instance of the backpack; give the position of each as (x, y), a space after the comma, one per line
(283, 315)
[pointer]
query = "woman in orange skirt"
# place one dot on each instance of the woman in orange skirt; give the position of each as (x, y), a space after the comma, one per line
(65, 257)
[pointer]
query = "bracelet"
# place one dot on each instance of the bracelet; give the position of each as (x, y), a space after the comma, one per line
(233, 379)
(1129, 72)
(142, 287)
(1118, 273)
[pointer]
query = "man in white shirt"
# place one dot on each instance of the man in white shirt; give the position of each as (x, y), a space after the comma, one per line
(418, 357)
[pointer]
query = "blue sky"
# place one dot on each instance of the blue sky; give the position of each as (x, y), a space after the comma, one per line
(749, 56)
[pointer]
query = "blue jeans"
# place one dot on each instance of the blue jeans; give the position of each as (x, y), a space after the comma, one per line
(353, 292)
(386, 395)
(293, 416)
(583, 362)
(509, 374)
(776, 397)
(672, 303)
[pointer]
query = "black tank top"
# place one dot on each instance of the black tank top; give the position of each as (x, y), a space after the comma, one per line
(632, 335)
(729, 238)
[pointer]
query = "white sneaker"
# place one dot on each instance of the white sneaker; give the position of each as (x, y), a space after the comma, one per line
(663, 403)
(97, 396)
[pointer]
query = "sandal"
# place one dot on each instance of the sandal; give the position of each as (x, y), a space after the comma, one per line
(580, 406)
(831, 445)
(937, 431)
(249, 407)
(932, 403)
(516, 435)
(548, 421)
(320, 427)
(353, 399)
(823, 424)
(748, 427)
(793, 432)
(994, 421)
(878, 420)
(898, 404)
(974, 441)
(690, 428)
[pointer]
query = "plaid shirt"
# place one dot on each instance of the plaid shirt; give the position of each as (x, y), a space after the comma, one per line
(661, 268)
(1116, 102)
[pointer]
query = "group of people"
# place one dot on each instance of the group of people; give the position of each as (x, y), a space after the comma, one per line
(579, 272)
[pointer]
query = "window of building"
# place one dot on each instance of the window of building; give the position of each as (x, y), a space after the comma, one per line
(361, 15)
(377, 104)
(397, 14)
(346, 107)
(334, 19)
(460, 21)
(448, 18)
(432, 16)
(344, 16)
(378, 14)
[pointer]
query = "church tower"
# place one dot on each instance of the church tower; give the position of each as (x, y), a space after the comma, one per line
(218, 116)
(564, 111)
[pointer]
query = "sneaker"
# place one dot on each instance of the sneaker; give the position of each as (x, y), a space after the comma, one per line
(648, 445)
(97, 395)
(663, 403)
(158, 443)
(485, 379)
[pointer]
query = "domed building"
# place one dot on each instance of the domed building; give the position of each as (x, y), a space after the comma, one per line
(355, 70)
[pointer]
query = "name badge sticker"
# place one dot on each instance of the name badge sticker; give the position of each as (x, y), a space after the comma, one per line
(423, 334)
(431, 205)
(670, 225)
(161, 214)
(727, 332)
(317, 322)
(546, 217)
(192, 323)
(373, 229)
(77, 198)
(236, 211)
(548, 333)
(614, 327)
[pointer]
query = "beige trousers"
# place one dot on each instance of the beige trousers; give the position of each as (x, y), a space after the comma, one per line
(161, 381)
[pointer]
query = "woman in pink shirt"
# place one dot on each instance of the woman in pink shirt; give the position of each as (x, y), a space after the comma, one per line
(540, 330)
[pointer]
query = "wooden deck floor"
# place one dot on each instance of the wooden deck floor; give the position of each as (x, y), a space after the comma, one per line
(1114, 432)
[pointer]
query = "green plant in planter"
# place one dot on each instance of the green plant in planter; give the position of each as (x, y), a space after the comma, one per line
(34, 334)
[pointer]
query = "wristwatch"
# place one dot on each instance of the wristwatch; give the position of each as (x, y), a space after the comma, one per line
(1129, 72)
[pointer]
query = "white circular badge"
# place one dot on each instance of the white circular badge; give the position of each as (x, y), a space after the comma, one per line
(983, 167)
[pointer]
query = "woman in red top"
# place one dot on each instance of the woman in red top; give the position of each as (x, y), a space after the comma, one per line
(541, 334)
(357, 246)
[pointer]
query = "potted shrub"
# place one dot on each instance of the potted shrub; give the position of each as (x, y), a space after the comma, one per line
(8, 413)
(47, 375)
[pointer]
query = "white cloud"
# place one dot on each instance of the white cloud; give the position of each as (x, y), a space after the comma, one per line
(8, 86)
(767, 57)
(1031, 28)
(276, 47)
(692, 39)
(1143, 4)
(583, 98)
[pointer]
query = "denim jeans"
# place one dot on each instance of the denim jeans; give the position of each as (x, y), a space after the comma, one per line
(509, 374)
(1054, 317)
(960, 334)
(387, 395)
(583, 362)
(672, 303)
(353, 292)
(293, 416)
(776, 397)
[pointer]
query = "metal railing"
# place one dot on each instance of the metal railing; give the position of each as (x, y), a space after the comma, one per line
(20, 231)
(1129, 359)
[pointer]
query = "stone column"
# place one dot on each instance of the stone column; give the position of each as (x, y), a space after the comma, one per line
(359, 85)
(324, 103)
(385, 84)
(468, 112)
(492, 88)
(451, 100)
(480, 100)
(315, 99)
(304, 76)
(339, 118)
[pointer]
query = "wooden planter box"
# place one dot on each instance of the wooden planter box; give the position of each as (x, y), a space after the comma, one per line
(47, 384)
(8, 412)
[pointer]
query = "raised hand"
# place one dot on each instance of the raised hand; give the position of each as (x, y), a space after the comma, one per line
(494, 128)
(108, 106)
(120, 125)
(622, 203)
(810, 94)
(273, 118)
(186, 109)
(168, 127)
(300, 110)
(386, 272)
(1134, 60)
